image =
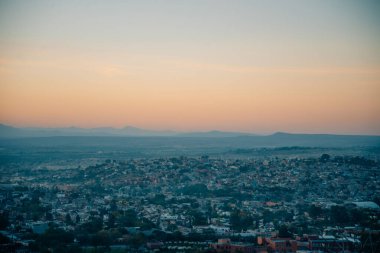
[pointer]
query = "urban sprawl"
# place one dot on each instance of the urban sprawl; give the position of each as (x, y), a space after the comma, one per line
(204, 204)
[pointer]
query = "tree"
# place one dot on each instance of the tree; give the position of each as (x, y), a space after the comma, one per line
(101, 238)
(77, 219)
(49, 216)
(240, 220)
(196, 189)
(68, 219)
(198, 218)
(93, 226)
(4, 221)
(54, 238)
(358, 216)
(111, 220)
(137, 240)
(4, 239)
(339, 215)
(284, 232)
(129, 219)
(113, 206)
(315, 211)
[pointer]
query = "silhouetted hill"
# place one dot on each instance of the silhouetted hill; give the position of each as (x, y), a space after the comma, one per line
(214, 134)
(216, 139)
(13, 132)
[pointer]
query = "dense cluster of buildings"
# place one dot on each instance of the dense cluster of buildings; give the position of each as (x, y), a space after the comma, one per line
(182, 204)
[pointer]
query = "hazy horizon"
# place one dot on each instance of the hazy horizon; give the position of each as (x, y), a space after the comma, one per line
(241, 66)
(181, 132)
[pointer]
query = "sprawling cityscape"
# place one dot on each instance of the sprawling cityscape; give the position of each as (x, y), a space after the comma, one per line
(192, 204)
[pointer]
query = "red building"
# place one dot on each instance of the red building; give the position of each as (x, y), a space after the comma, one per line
(281, 245)
(225, 245)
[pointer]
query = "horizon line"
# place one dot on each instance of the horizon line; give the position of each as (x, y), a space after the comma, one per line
(189, 131)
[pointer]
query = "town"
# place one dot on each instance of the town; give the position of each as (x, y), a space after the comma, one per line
(192, 204)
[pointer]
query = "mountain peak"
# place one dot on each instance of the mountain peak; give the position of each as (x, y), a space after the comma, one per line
(131, 127)
(280, 133)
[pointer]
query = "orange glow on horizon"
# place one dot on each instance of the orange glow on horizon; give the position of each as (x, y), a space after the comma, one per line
(240, 71)
(71, 92)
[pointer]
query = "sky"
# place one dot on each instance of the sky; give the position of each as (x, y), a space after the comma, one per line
(254, 66)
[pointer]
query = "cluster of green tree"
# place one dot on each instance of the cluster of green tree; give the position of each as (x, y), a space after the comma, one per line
(277, 216)
(356, 160)
(34, 208)
(94, 225)
(100, 238)
(246, 167)
(284, 232)
(158, 199)
(376, 199)
(199, 190)
(4, 239)
(370, 241)
(55, 240)
(92, 233)
(223, 192)
(129, 219)
(277, 193)
(342, 215)
(117, 219)
(241, 221)
(4, 220)
(199, 219)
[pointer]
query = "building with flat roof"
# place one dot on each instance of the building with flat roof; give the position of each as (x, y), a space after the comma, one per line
(225, 245)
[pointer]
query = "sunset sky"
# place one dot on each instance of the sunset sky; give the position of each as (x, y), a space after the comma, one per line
(254, 66)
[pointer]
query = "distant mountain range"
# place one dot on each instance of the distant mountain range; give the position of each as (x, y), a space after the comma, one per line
(128, 131)
(215, 138)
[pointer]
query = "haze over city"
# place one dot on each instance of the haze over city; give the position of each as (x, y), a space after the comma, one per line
(249, 66)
